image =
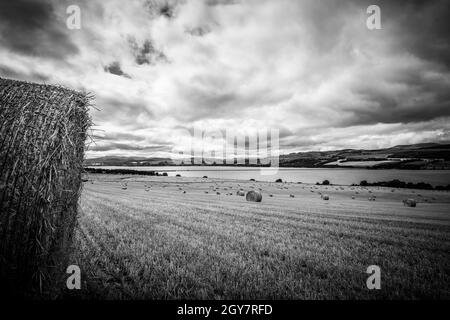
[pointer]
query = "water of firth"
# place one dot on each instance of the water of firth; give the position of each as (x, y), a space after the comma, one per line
(305, 175)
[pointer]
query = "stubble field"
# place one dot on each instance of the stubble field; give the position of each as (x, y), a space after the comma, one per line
(177, 238)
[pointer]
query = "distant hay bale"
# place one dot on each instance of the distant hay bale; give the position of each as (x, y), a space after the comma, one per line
(205, 177)
(240, 193)
(279, 180)
(254, 196)
(292, 196)
(409, 202)
(43, 130)
(325, 197)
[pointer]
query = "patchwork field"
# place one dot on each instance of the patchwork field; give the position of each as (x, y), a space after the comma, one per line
(175, 238)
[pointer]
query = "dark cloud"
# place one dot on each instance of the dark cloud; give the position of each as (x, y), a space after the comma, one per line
(164, 8)
(147, 53)
(388, 111)
(30, 27)
(420, 27)
(112, 109)
(215, 96)
(112, 136)
(424, 100)
(198, 31)
(32, 76)
(129, 147)
(221, 2)
(115, 68)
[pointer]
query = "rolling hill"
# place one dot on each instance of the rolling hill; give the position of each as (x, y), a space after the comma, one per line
(417, 156)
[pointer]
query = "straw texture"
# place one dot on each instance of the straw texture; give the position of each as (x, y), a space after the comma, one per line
(43, 130)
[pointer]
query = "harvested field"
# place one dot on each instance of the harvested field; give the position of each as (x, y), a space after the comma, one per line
(158, 242)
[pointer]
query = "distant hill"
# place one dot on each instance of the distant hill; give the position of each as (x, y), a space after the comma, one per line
(127, 161)
(416, 156)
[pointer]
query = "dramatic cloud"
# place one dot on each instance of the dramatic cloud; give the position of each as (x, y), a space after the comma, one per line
(114, 68)
(311, 69)
(32, 28)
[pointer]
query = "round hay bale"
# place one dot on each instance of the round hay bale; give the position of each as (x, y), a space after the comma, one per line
(254, 196)
(205, 177)
(409, 202)
(43, 130)
(240, 193)
(279, 180)
(292, 196)
(325, 197)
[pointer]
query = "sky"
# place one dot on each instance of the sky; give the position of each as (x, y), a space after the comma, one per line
(310, 69)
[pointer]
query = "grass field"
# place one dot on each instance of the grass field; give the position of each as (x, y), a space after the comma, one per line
(162, 243)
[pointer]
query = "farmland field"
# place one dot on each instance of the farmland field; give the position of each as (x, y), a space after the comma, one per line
(188, 238)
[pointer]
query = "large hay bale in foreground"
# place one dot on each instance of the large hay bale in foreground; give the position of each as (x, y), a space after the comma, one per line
(43, 130)
(254, 196)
